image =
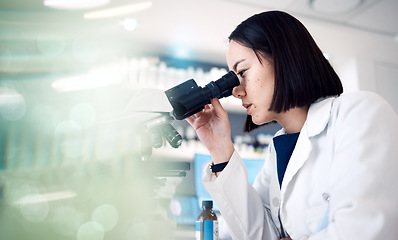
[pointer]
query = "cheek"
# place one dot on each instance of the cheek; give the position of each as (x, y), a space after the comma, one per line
(262, 101)
(260, 92)
(255, 87)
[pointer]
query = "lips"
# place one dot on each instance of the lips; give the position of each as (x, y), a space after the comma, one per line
(247, 106)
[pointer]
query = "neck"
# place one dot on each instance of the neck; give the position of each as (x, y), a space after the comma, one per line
(293, 120)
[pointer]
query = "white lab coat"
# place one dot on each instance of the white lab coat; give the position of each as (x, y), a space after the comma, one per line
(340, 183)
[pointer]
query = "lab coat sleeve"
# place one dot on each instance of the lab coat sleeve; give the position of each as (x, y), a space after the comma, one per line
(363, 176)
(239, 203)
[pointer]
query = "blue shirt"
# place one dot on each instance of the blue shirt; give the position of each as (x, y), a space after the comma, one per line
(284, 146)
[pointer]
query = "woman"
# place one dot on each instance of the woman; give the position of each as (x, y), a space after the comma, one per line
(329, 168)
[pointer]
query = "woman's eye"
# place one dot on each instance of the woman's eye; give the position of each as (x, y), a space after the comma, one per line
(240, 73)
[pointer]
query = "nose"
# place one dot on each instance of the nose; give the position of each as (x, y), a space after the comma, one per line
(238, 91)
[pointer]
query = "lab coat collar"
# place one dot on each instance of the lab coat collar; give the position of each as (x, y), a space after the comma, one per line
(317, 119)
(318, 116)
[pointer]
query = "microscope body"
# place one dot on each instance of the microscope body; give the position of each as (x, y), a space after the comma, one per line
(176, 103)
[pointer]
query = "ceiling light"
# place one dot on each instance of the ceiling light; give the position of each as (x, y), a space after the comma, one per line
(129, 24)
(335, 6)
(75, 4)
(118, 11)
(45, 197)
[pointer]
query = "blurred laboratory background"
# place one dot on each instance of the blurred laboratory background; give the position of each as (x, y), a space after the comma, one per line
(72, 159)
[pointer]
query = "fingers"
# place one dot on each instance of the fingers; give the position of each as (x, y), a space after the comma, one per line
(197, 115)
(190, 120)
(215, 102)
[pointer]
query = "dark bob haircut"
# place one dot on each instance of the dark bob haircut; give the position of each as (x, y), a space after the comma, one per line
(302, 73)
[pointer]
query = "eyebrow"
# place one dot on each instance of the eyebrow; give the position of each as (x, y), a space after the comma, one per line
(237, 63)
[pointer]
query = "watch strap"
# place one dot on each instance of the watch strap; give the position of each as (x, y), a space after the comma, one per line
(217, 167)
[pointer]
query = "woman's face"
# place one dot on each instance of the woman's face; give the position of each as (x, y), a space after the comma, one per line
(256, 81)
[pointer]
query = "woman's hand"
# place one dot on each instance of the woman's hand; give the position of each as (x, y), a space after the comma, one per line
(288, 238)
(214, 131)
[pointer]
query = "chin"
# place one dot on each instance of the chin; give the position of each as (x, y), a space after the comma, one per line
(256, 121)
(259, 122)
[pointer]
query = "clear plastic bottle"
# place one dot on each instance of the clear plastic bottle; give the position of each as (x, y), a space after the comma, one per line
(206, 223)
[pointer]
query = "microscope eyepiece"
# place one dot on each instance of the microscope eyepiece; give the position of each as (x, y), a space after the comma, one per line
(188, 98)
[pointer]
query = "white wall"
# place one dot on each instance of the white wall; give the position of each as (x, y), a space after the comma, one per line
(387, 82)
(364, 60)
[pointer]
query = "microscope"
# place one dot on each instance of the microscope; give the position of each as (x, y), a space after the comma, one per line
(154, 112)
(176, 103)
